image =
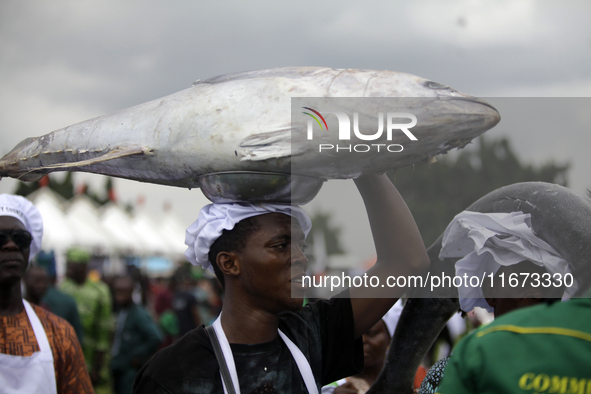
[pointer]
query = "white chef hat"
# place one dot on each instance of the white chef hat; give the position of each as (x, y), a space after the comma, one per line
(24, 210)
(486, 241)
(214, 218)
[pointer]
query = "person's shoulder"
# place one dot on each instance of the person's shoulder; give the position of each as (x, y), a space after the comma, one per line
(565, 313)
(198, 362)
(318, 317)
(48, 318)
(96, 290)
(97, 285)
(60, 328)
(549, 319)
(339, 300)
(65, 298)
(67, 285)
(339, 304)
(311, 311)
(193, 345)
(139, 311)
(58, 295)
(137, 308)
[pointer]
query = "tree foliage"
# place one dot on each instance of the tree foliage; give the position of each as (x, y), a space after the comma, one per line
(64, 188)
(436, 193)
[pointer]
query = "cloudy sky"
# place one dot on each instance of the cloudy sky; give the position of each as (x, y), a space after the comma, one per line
(67, 61)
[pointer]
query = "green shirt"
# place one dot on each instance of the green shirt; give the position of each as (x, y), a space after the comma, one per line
(65, 307)
(136, 338)
(93, 300)
(542, 349)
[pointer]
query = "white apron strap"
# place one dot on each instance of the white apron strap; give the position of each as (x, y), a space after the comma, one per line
(37, 329)
(302, 363)
(225, 345)
(296, 353)
(45, 349)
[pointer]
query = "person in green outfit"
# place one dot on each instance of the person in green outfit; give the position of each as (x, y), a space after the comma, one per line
(541, 349)
(40, 291)
(136, 338)
(52, 299)
(64, 306)
(93, 300)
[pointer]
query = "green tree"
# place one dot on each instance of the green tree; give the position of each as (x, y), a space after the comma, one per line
(26, 188)
(436, 193)
(64, 188)
(103, 196)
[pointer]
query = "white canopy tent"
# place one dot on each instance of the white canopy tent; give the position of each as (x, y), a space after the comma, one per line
(109, 231)
(89, 233)
(57, 234)
(117, 222)
(173, 233)
(149, 234)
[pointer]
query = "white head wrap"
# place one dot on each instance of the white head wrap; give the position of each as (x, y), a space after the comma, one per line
(214, 218)
(24, 210)
(485, 241)
(392, 316)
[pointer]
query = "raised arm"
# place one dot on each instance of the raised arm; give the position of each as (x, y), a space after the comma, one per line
(399, 247)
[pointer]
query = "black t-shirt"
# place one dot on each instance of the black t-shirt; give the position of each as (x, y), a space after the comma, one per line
(322, 330)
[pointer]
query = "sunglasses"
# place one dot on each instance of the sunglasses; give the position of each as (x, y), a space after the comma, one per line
(21, 238)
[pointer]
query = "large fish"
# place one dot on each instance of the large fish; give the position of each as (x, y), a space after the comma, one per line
(560, 217)
(242, 122)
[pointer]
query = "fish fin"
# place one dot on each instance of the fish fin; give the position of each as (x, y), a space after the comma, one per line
(30, 177)
(114, 154)
(270, 145)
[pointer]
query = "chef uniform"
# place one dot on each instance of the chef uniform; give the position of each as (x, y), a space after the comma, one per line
(33, 374)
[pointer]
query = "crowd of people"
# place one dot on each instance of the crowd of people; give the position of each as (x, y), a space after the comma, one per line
(128, 333)
(87, 332)
(121, 321)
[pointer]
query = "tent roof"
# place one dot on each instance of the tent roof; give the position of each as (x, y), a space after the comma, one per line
(82, 214)
(57, 233)
(117, 222)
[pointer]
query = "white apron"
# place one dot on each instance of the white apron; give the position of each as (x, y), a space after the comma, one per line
(296, 353)
(33, 374)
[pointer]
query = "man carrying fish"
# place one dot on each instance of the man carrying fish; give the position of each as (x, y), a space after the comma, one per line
(264, 340)
(191, 137)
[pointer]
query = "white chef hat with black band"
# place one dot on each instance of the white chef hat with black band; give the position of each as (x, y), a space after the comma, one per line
(214, 218)
(22, 209)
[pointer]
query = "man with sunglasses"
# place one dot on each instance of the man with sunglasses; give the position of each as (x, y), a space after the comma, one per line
(39, 352)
